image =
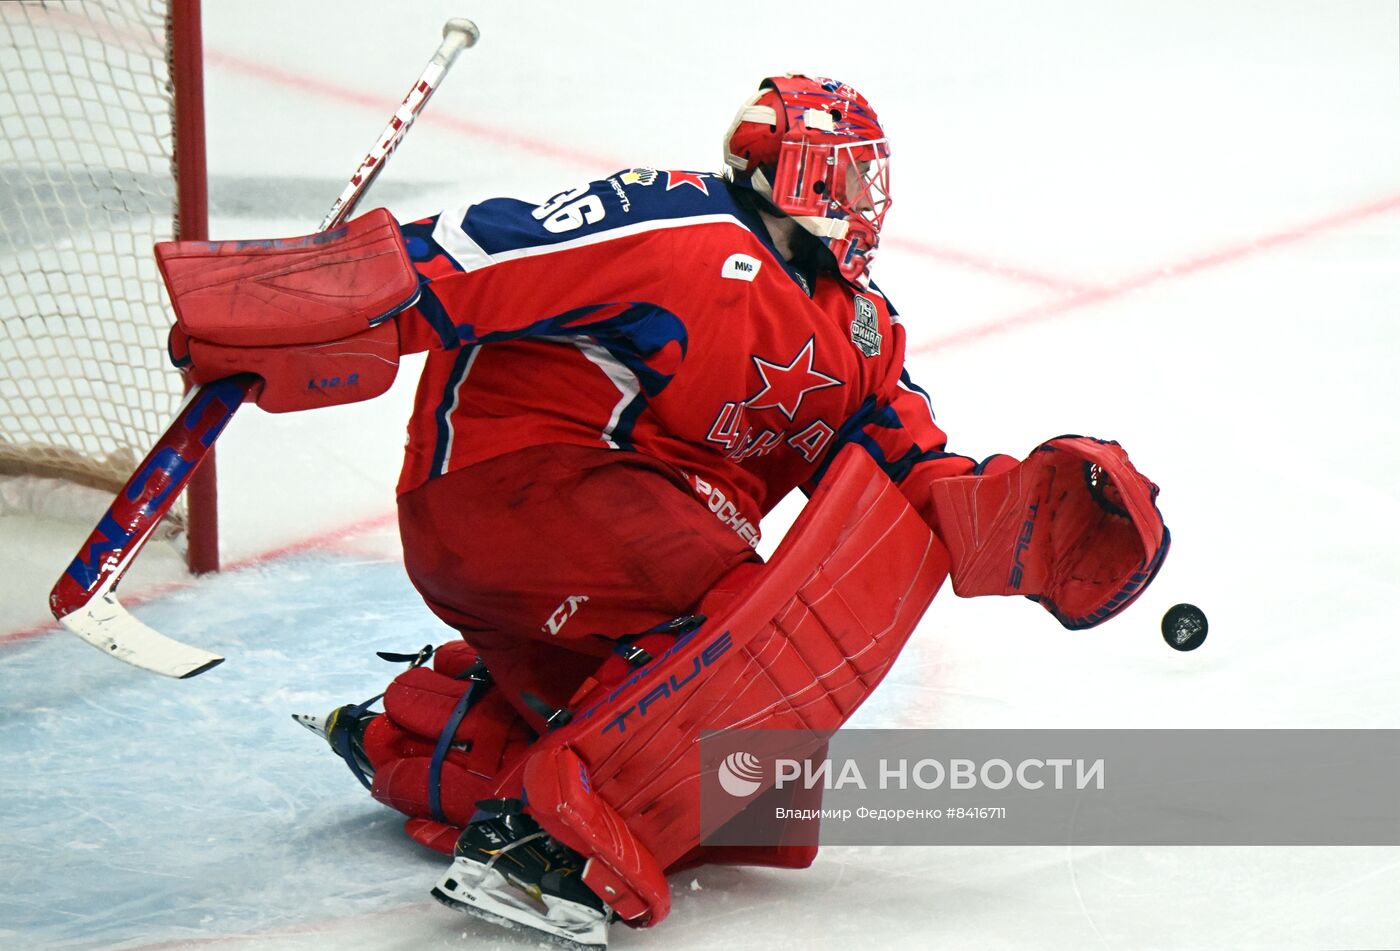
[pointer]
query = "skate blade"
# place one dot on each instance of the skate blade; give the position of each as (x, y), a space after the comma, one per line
(486, 894)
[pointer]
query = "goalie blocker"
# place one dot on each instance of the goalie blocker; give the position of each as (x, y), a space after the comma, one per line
(311, 317)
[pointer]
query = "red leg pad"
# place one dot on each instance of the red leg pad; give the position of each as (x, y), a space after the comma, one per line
(454, 658)
(490, 738)
(802, 648)
(620, 869)
(437, 836)
(403, 785)
(769, 856)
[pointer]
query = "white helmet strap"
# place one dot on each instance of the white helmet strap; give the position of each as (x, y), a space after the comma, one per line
(751, 111)
(833, 228)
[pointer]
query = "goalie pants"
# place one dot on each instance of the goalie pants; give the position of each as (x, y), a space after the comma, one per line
(541, 558)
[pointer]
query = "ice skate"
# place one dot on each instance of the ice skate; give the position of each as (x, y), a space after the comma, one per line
(506, 870)
(344, 729)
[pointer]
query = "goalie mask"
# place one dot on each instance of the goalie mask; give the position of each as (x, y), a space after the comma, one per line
(815, 149)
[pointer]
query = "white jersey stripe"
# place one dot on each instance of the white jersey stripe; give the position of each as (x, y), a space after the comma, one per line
(923, 397)
(622, 378)
(456, 401)
(451, 238)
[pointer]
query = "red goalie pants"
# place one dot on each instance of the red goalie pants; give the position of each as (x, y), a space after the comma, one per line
(541, 557)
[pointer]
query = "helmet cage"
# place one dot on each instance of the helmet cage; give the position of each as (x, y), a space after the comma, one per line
(840, 192)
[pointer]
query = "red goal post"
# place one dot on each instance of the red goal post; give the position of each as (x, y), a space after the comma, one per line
(101, 154)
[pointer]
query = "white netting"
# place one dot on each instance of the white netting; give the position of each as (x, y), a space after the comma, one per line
(86, 187)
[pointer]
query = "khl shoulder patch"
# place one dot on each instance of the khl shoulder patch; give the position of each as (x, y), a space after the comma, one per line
(865, 328)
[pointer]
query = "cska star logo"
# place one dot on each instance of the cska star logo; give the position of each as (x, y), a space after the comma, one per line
(784, 387)
(677, 179)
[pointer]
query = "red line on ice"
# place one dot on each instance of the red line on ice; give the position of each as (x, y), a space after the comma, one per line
(976, 262)
(312, 927)
(1192, 265)
(323, 540)
(377, 101)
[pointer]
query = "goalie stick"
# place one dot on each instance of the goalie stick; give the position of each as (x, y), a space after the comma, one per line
(84, 598)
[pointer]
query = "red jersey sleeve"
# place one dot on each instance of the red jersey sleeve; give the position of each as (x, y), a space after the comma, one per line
(898, 430)
(566, 292)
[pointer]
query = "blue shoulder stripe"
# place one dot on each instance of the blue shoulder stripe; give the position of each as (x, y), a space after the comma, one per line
(629, 197)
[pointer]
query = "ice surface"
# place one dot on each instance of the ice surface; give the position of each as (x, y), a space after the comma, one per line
(1176, 225)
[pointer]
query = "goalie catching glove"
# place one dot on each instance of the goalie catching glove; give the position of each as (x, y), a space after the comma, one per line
(310, 316)
(1075, 527)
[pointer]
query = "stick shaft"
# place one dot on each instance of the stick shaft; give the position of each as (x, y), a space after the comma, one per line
(457, 35)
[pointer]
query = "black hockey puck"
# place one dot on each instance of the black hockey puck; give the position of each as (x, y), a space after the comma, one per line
(1184, 627)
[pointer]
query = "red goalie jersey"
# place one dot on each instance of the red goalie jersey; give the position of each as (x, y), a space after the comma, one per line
(650, 313)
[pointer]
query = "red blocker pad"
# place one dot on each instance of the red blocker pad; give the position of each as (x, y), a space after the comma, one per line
(308, 315)
(801, 647)
(1075, 526)
(303, 377)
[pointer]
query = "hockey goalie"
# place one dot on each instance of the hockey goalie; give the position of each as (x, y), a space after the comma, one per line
(620, 382)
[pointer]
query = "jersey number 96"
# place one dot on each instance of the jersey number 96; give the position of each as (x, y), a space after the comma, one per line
(570, 210)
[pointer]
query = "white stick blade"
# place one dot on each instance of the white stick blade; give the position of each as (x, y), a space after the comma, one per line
(109, 627)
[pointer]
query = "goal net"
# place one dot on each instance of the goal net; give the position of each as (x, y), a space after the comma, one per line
(90, 177)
